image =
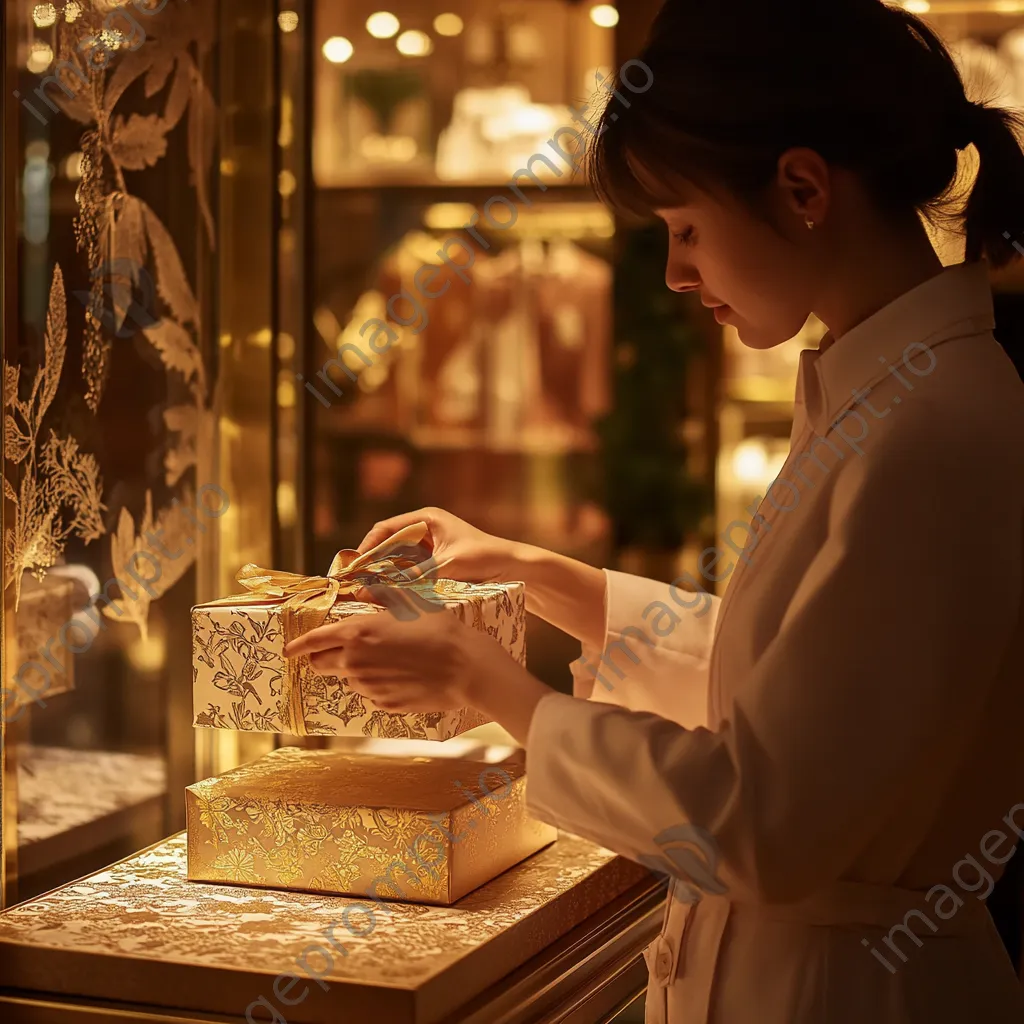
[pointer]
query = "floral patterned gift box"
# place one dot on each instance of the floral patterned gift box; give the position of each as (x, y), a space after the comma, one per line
(419, 829)
(242, 680)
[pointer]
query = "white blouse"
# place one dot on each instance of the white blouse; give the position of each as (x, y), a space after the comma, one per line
(832, 754)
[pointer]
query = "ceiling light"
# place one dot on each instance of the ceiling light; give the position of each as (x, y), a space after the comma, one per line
(917, 6)
(288, 21)
(44, 15)
(40, 56)
(414, 44)
(448, 25)
(338, 49)
(382, 25)
(604, 15)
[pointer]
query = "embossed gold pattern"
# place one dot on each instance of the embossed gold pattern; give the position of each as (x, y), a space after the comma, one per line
(238, 651)
(116, 229)
(128, 248)
(59, 493)
(143, 918)
(428, 830)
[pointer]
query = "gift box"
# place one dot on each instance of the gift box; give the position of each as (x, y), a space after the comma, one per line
(419, 829)
(41, 663)
(242, 680)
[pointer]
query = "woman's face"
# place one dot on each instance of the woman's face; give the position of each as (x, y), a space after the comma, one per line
(755, 278)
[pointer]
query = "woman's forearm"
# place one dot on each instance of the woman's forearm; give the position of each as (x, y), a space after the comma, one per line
(562, 591)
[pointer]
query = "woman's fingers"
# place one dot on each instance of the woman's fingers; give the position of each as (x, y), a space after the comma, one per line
(381, 531)
(323, 638)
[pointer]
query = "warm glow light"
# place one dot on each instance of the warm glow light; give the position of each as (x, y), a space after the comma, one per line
(414, 44)
(287, 505)
(338, 49)
(440, 216)
(40, 56)
(604, 15)
(147, 654)
(917, 6)
(382, 25)
(111, 38)
(397, 148)
(73, 166)
(288, 21)
(286, 394)
(750, 462)
(448, 25)
(72, 10)
(286, 183)
(44, 15)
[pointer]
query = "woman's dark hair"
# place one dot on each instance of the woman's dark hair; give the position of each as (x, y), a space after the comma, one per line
(733, 85)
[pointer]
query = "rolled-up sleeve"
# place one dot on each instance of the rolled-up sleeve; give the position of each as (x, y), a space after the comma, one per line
(656, 653)
(877, 678)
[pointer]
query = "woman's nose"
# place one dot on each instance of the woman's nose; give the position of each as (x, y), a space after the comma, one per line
(681, 278)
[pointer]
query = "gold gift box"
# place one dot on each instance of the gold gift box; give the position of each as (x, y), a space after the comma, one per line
(241, 679)
(419, 829)
(40, 664)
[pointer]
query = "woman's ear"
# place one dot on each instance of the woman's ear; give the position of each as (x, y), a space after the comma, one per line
(805, 182)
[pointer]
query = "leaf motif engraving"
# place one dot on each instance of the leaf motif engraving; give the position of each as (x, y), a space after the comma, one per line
(127, 255)
(56, 339)
(202, 134)
(176, 349)
(171, 280)
(59, 490)
(16, 442)
(12, 375)
(154, 559)
(139, 142)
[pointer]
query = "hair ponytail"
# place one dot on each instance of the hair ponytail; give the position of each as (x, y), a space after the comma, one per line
(994, 217)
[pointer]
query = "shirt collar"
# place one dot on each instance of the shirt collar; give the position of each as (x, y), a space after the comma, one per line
(955, 303)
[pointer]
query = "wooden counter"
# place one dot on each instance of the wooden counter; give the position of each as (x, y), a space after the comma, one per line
(557, 938)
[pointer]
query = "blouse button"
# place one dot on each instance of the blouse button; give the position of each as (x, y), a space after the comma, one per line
(663, 962)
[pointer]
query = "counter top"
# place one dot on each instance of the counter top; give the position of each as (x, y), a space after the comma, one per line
(139, 933)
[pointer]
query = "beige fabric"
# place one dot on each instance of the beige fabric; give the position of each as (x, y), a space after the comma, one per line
(847, 723)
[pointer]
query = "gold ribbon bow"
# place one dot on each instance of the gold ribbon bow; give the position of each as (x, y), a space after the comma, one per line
(306, 601)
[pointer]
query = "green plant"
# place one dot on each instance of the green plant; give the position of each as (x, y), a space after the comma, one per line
(384, 91)
(649, 493)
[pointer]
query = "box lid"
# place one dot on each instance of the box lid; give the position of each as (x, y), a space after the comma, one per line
(342, 778)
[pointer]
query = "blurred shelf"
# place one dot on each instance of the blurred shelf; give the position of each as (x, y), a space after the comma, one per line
(534, 441)
(761, 390)
(75, 801)
(550, 191)
(1004, 7)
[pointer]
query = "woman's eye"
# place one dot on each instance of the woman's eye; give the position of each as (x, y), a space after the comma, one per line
(685, 237)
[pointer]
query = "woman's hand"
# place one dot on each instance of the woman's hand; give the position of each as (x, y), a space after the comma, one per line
(562, 591)
(432, 663)
(456, 549)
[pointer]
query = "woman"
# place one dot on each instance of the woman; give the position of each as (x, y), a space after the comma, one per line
(837, 743)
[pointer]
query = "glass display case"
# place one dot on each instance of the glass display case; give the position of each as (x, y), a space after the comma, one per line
(446, 200)
(227, 339)
(138, 401)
